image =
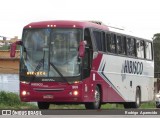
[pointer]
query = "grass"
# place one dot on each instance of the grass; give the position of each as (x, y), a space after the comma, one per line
(7, 47)
(81, 106)
(12, 101)
(149, 105)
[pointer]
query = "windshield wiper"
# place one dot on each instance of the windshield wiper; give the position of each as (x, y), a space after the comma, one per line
(59, 72)
(41, 62)
(38, 67)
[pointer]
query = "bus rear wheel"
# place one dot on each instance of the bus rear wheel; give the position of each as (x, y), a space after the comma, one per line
(157, 104)
(137, 102)
(43, 105)
(97, 103)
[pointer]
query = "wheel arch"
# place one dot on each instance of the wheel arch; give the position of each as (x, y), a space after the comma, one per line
(139, 88)
(140, 92)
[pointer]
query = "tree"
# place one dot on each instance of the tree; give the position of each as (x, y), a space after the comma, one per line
(156, 47)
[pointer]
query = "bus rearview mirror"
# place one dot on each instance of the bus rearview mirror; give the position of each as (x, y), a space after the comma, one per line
(13, 48)
(81, 51)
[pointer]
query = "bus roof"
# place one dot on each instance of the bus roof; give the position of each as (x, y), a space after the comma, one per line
(65, 24)
(129, 34)
(79, 24)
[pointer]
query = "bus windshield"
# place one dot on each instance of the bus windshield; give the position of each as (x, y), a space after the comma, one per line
(51, 52)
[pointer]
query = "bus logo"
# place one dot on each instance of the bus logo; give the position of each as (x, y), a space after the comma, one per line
(132, 67)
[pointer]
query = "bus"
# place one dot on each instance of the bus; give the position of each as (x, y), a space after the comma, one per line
(84, 62)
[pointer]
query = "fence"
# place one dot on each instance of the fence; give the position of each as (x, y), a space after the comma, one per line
(9, 69)
(7, 64)
(9, 83)
(5, 54)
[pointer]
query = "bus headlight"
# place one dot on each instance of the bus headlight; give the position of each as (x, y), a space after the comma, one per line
(24, 93)
(158, 95)
(75, 93)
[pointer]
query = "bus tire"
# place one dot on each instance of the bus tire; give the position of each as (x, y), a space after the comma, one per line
(137, 102)
(157, 105)
(97, 103)
(127, 105)
(43, 105)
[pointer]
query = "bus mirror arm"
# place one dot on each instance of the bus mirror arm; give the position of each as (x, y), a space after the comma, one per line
(13, 48)
(81, 51)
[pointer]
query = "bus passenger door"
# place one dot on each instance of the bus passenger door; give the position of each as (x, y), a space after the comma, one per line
(87, 61)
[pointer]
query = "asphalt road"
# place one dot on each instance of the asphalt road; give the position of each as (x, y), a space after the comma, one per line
(130, 113)
(83, 116)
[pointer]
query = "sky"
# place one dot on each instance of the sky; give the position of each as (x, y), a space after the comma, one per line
(140, 17)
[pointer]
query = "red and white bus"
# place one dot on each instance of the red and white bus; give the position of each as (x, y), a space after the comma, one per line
(74, 62)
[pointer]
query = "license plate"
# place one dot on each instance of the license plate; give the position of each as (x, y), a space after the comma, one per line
(48, 96)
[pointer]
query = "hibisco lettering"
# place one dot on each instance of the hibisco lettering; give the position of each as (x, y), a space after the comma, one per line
(132, 67)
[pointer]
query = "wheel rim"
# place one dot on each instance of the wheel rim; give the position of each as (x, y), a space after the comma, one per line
(138, 100)
(97, 97)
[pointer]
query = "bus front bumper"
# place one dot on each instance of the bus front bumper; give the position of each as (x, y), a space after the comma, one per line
(51, 96)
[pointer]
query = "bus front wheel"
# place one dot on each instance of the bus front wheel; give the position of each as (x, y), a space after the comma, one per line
(43, 105)
(97, 103)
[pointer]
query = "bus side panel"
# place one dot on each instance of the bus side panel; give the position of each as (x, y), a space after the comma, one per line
(109, 94)
(108, 91)
(119, 73)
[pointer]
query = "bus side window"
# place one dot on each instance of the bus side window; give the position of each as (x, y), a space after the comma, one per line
(140, 48)
(108, 36)
(124, 45)
(111, 38)
(87, 38)
(98, 38)
(119, 44)
(103, 42)
(131, 47)
(148, 50)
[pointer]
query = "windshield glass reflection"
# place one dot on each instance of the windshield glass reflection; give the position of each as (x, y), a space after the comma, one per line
(43, 47)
